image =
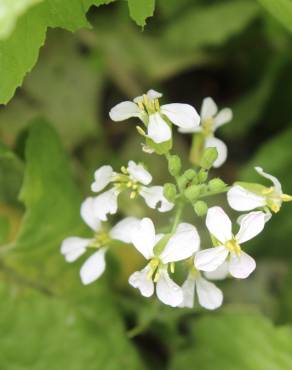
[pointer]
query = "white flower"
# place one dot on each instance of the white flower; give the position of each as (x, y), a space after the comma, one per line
(133, 178)
(161, 251)
(74, 247)
(246, 196)
(209, 295)
(240, 264)
(211, 120)
(147, 109)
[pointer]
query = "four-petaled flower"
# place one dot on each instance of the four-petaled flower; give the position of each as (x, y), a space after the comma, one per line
(134, 178)
(211, 120)
(162, 251)
(240, 264)
(247, 196)
(74, 247)
(156, 118)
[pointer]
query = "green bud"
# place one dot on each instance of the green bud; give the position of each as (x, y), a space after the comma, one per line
(208, 158)
(169, 191)
(192, 192)
(216, 184)
(200, 208)
(202, 175)
(182, 182)
(190, 174)
(174, 165)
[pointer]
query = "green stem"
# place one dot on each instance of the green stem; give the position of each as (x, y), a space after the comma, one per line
(178, 214)
(210, 193)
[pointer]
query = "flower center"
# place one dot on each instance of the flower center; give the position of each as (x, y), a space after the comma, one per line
(123, 181)
(153, 273)
(149, 105)
(101, 239)
(233, 246)
(208, 126)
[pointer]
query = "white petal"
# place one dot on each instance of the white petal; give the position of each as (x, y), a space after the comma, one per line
(140, 280)
(209, 109)
(124, 110)
(213, 142)
(123, 230)
(102, 177)
(209, 295)
(153, 195)
(93, 267)
(152, 94)
(106, 203)
(144, 238)
(188, 289)
(158, 130)
(190, 130)
(224, 116)
(89, 215)
(210, 259)
(241, 199)
(181, 115)
(168, 291)
(183, 244)
(275, 181)
(241, 267)
(219, 224)
(73, 247)
(220, 273)
(250, 226)
(138, 173)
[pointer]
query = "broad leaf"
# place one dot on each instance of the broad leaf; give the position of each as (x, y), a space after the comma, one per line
(281, 10)
(141, 10)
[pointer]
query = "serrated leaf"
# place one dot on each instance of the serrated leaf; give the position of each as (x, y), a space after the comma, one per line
(140, 10)
(281, 10)
(250, 342)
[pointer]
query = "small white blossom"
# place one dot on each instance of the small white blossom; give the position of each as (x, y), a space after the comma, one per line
(211, 120)
(181, 245)
(74, 247)
(246, 197)
(154, 116)
(133, 178)
(240, 264)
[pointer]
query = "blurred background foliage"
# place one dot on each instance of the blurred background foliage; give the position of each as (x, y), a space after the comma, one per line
(55, 132)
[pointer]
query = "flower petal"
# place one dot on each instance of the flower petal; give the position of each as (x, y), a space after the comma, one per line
(151, 95)
(168, 292)
(188, 289)
(72, 248)
(210, 259)
(144, 238)
(88, 214)
(209, 295)
(102, 177)
(241, 266)
(93, 267)
(106, 203)
(138, 173)
(250, 226)
(154, 195)
(213, 142)
(208, 109)
(140, 280)
(219, 224)
(122, 230)
(124, 110)
(275, 181)
(220, 273)
(181, 115)
(183, 244)
(241, 199)
(225, 115)
(158, 130)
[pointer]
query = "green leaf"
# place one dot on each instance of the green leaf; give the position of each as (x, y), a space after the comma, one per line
(210, 25)
(48, 192)
(58, 336)
(281, 10)
(250, 342)
(140, 10)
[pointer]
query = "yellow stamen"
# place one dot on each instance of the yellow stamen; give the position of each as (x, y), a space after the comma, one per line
(267, 191)
(156, 277)
(133, 195)
(233, 246)
(124, 170)
(275, 208)
(172, 267)
(286, 198)
(140, 131)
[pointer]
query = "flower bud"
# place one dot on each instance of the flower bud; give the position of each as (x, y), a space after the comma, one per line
(200, 208)
(174, 165)
(190, 174)
(202, 175)
(216, 184)
(192, 192)
(208, 158)
(182, 182)
(169, 191)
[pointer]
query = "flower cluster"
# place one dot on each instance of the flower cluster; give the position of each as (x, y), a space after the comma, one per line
(180, 243)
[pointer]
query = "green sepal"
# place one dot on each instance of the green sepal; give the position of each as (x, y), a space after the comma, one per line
(169, 191)
(200, 208)
(161, 148)
(216, 184)
(208, 158)
(253, 187)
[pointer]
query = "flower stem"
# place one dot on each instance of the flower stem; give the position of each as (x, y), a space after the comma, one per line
(178, 214)
(210, 193)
